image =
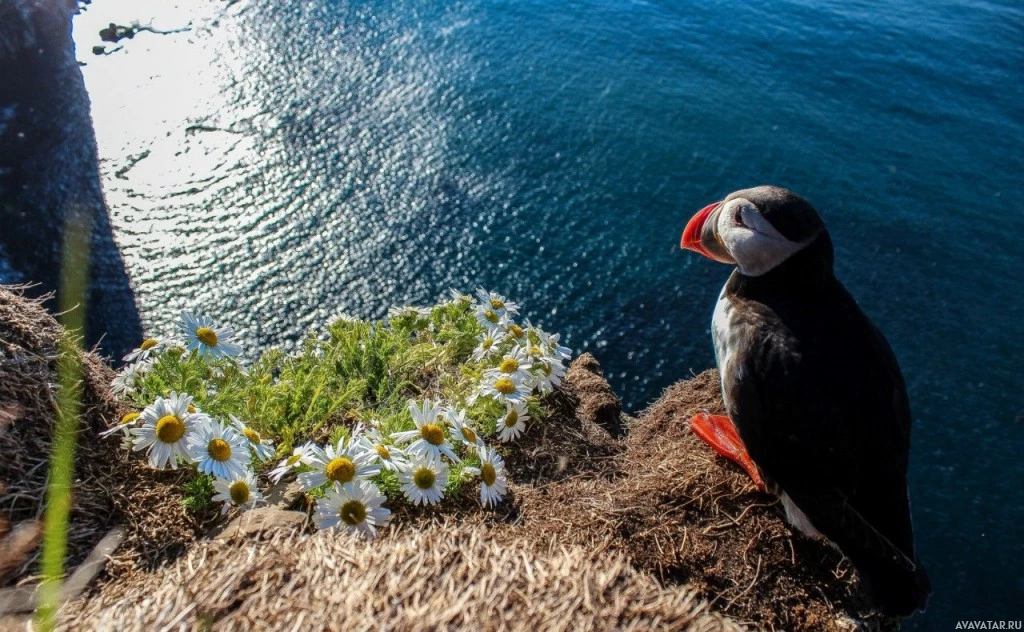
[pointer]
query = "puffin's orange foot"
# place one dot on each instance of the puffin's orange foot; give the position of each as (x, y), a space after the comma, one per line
(719, 432)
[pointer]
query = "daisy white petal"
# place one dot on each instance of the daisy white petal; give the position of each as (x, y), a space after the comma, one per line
(503, 387)
(238, 491)
(516, 363)
(389, 457)
(128, 421)
(218, 450)
(493, 485)
(356, 506)
(148, 348)
(261, 448)
(548, 374)
(513, 422)
(127, 379)
(428, 440)
(489, 344)
(423, 483)
(165, 428)
(462, 431)
(342, 463)
(301, 456)
(497, 303)
(205, 337)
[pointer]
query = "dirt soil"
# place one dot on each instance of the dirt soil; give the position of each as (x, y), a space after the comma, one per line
(648, 531)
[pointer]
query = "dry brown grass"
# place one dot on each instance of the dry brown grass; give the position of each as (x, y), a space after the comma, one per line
(110, 487)
(597, 532)
(447, 576)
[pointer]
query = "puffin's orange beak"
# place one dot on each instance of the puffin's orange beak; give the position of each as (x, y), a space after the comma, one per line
(695, 229)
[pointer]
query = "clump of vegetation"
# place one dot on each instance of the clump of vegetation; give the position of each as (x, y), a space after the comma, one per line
(367, 414)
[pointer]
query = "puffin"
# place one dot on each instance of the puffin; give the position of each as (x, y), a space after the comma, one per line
(817, 406)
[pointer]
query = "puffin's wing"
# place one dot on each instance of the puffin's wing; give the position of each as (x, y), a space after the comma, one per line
(829, 423)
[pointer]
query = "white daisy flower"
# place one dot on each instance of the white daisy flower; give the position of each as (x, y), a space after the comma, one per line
(496, 303)
(513, 422)
(423, 483)
(489, 344)
(125, 425)
(203, 336)
(548, 374)
(519, 335)
(428, 439)
(412, 317)
(217, 449)
(148, 348)
(262, 449)
(239, 491)
(166, 425)
(516, 363)
(342, 463)
(493, 485)
(127, 379)
(458, 297)
(503, 387)
(550, 342)
(389, 457)
(461, 430)
(301, 456)
(489, 319)
(357, 506)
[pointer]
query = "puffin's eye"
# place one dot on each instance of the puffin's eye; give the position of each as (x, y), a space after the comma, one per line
(737, 219)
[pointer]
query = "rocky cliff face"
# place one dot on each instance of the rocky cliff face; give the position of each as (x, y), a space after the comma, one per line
(49, 169)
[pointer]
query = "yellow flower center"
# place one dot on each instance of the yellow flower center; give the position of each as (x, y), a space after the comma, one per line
(491, 316)
(191, 409)
(432, 433)
(169, 429)
(536, 352)
(488, 474)
(509, 365)
(293, 459)
(352, 512)
(487, 343)
(239, 491)
(511, 419)
(383, 452)
(148, 344)
(129, 418)
(424, 478)
(252, 435)
(207, 336)
(497, 304)
(341, 470)
(219, 449)
(505, 386)
(468, 433)
(516, 330)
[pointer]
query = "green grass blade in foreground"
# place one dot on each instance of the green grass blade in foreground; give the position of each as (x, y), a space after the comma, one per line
(74, 284)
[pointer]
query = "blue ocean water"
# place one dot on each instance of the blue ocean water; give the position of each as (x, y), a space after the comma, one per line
(290, 161)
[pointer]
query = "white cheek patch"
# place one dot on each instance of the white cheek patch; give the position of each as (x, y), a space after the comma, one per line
(757, 247)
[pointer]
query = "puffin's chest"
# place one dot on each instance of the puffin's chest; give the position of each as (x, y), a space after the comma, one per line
(732, 337)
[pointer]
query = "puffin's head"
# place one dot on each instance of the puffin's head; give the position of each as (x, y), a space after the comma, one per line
(756, 229)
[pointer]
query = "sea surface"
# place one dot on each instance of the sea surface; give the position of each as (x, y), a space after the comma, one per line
(278, 164)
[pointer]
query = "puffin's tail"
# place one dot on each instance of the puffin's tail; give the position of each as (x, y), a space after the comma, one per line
(894, 589)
